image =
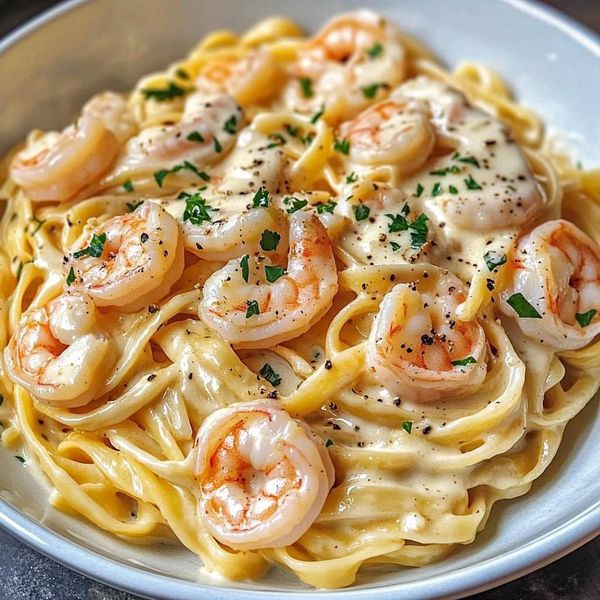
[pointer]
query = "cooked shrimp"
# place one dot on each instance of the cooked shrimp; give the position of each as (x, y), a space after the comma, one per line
(236, 231)
(113, 111)
(249, 312)
(351, 54)
(419, 349)
(263, 476)
(391, 132)
(482, 179)
(58, 166)
(131, 260)
(254, 77)
(56, 354)
(205, 133)
(555, 286)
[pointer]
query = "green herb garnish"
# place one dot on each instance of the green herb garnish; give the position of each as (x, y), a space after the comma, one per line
(306, 87)
(230, 126)
(318, 114)
(328, 443)
(452, 189)
(269, 240)
(407, 426)
(352, 177)
(217, 145)
(361, 212)
(168, 93)
(196, 210)
(369, 91)
(584, 319)
(418, 235)
(296, 204)
(71, 276)
(437, 189)
(420, 190)
(195, 136)
(463, 362)
(328, 207)
(273, 273)
(270, 375)
(95, 248)
(375, 50)
(472, 184)
(522, 307)
(493, 260)
(159, 176)
(245, 267)
(342, 146)
(395, 246)
(261, 198)
(252, 309)
(128, 186)
(131, 206)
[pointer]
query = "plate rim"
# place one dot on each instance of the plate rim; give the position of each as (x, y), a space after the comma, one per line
(508, 566)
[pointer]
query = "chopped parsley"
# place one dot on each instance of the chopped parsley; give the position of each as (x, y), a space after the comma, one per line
(95, 248)
(182, 73)
(328, 443)
(395, 246)
(71, 276)
(522, 307)
(306, 87)
(168, 93)
(270, 375)
(493, 260)
(452, 189)
(342, 146)
(472, 184)
(352, 177)
(230, 125)
(375, 50)
(584, 319)
(318, 114)
(328, 207)
(40, 224)
(420, 190)
(296, 204)
(293, 131)
(418, 235)
(217, 145)
(469, 360)
(159, 176)
(399, 223)
(252, 309)
(131, 206)
(20, 458)
(273, 273)
(471, 160)
(128, 186)
(407, 426)
(261, 198)
(445, 171)
(280, 140)
(361, 212)
(195, 136)
(245, 267)
(369, 91)
(196, 210)
(269, 240)
(437, 189)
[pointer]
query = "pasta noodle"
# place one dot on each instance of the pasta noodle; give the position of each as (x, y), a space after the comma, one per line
(333, 246)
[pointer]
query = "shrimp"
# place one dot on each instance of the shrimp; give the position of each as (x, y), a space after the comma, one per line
(263, 476)
(252, 78)
(419, 349)
(251, 313)
(480, 179)
(113, 111)
(391, 132)
(205, 133)
(554, 286)
(129, 261)
(56, 353)
(58, 166)
(352, 53)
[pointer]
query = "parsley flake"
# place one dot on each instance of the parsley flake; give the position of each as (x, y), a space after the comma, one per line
(522, 307)
(269, 240)
(273, 273)
(420, 190)
(352, 177)
(131, 206)
(472, 184)
(196, 210)
(182, 73)
(493, 260)
(195, 136)
(361, 212)
(163, 94)
(245, 267)
(399, 223)
(327, 207)
(469, 360)
(437, 189)
(252, 309)
(270, 375)
(128, 186)
(369, 91)
(71, 276)
(261, 198)
(328, 443)
(342, 146)
(395, 246)
(306, 87)
(159, 176)
(418, 235)
(584, 319)
(95, 248)
(230, 125)
(318, 114)
(375, 50)
(296, 204)
(407, 426)
(217, 145)
(452, 189)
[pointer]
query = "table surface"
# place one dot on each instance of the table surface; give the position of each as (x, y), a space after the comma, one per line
(27, 575)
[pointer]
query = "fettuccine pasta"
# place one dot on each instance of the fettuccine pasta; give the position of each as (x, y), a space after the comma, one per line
(315, 302)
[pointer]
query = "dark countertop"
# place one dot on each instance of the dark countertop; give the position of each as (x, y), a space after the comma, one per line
(27, 575)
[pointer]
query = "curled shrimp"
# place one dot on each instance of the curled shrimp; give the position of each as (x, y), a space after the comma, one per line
(254, 77)
(113, 111)
(479, 179)
(554, 288)
(351, 53)
(56, 353)
(263, 476)
(392, 132)
(419, 349)
(205, 133)
(58, 166)
(249, 312)
(130, 260)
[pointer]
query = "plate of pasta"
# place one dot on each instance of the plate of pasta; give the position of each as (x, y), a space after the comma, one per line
(290, 302)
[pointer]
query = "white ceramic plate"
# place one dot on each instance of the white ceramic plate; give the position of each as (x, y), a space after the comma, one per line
(52, 65)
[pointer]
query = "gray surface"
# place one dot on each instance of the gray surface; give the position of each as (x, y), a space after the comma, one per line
(25, 574)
